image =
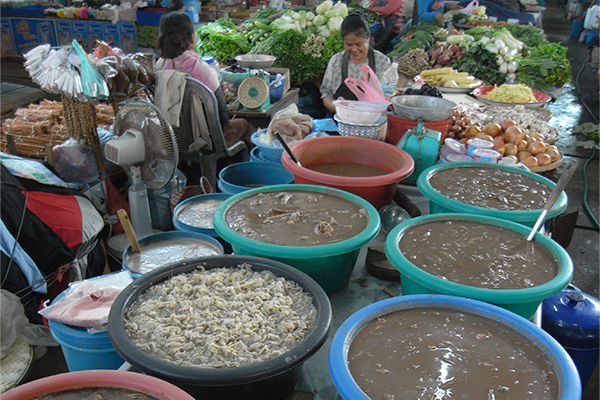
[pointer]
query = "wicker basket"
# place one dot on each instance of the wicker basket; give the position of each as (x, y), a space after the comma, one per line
(179, 195)
(398, 126)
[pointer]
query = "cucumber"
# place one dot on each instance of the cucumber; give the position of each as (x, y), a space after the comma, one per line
(264, 26)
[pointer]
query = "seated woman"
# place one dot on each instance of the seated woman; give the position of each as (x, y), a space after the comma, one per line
(430, 10)
(348, 63)
(176, 42)
(391, 11)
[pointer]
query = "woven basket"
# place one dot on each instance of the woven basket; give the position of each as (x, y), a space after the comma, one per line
(179, 195)
(80, 121)
(398, 126)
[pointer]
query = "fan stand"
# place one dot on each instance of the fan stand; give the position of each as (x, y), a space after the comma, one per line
(138, 204)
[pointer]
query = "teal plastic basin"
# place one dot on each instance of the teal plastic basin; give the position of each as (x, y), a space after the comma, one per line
(566, 372)
(329, 265)
(523, 302)
(438, 203)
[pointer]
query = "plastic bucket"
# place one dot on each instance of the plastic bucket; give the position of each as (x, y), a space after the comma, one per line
(83, 350)
(523, 302)
(438, 203)
(568, 380)
(330, 265)
(377, 190)
(185, 227)
(242, 176)
(203, 240)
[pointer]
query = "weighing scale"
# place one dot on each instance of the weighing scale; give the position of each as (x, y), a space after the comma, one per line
(253, 93)
(421, 143)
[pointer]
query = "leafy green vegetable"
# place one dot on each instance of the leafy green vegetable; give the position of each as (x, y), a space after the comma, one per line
(588, 129)
(480, 63)
(369, 15)
(532, 36)
(306, 56)
(545, 67)
(222, 40)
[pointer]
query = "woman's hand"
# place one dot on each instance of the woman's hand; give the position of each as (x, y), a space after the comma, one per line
(439, 17)
(328, 103)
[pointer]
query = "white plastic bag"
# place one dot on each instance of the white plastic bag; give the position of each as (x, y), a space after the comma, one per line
(15, 324)
(87, 303)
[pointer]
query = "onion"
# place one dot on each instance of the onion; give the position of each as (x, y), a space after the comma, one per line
(543, 159)
(553, 152)
(523, 154)
(522, 145)
(472, 131)
(499, 144)
(513, 134)
(536, 148)
(510, 149)
(492, 129)
(506, 123)
(530, 161)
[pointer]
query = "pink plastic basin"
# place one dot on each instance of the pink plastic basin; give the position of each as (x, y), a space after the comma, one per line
(105, 378)
(377, 190)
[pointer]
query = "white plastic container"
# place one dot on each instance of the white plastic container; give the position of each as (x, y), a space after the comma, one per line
(475, 143)
(359, 112)
(487, 156)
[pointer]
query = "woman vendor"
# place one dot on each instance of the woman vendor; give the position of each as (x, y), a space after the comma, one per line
(391, 11)
(349, 63)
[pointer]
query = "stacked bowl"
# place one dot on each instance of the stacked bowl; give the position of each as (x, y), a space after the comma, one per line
(359, 118)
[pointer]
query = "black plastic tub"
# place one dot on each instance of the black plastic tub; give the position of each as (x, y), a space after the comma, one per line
(272, 379)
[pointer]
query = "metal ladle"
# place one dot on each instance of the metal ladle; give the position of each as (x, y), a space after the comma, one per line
(287, 149)
(560, 185)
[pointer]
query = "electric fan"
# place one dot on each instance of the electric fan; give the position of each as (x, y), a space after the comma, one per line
(145, 146)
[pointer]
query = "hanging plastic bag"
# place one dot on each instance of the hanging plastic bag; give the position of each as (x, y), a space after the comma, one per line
(94, 86)
(469, 8)
(369, 89)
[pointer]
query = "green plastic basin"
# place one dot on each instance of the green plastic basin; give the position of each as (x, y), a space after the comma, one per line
(330, 265)
(523, 302)
(438, 203)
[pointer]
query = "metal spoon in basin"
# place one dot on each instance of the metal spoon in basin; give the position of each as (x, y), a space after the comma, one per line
(287, 149)
(560, 185)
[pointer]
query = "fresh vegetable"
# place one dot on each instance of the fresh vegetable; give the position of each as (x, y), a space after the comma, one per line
(306, 56)
(481, 63)
(545, 67)
(222, 40)
(371, 16)
(530, 35)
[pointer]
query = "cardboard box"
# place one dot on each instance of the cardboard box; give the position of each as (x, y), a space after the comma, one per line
(30, 33)
(286, 74)
(8, 43)
(208, 15)
(64, 35)
(127, 37)
(110, 34)
(79, 31)
(95, 34)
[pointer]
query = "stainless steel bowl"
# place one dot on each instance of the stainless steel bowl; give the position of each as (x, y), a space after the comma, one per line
(255, 61)
(368, 131)
(422, 108)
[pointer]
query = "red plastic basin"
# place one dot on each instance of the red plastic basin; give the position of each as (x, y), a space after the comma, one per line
(377, 190)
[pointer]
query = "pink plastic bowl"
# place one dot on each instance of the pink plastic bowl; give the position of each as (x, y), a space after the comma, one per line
(378, 190)
(105, 378)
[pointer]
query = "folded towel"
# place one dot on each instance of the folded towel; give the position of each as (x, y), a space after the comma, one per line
(168, 97)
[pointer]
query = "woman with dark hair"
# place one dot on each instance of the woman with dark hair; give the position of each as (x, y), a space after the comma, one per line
(176, 42)
(349, 63)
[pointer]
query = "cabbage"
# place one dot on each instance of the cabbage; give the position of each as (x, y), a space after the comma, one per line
(324, 7)
(341, 9)
(335, 24)
(320, 20)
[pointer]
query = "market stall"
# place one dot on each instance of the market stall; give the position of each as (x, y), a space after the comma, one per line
(477, 95)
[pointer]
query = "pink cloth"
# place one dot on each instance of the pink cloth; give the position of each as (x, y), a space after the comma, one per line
(189, 62)
(389, 7)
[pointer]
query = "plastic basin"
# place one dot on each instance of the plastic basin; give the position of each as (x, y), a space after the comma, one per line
(438, 203)
(523, 302)
(377, 190)
(268, 151)
(330, 265)
(106, 379)
(196, 200)
(568, 379)
(242, 176)
(172, 237)
(271, 379)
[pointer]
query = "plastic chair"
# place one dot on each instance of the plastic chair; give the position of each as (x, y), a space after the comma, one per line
(208, 118)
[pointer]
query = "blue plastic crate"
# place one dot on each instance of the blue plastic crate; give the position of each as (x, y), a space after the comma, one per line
(377, 26)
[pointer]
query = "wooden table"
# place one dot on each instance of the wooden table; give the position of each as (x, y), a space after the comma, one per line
(262, 118)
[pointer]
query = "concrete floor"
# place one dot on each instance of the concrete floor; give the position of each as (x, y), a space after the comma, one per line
(578, 103)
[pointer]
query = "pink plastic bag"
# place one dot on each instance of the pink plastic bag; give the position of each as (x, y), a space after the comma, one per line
(470, 7)
(368, 89)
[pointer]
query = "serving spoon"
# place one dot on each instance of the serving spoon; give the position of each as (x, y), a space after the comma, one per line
(287, 149)
(560, 185)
